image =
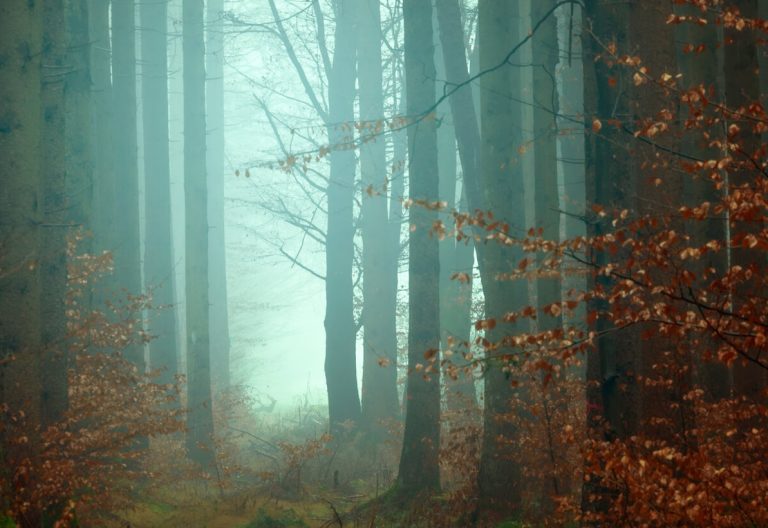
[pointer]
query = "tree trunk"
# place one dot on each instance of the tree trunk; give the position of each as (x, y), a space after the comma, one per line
(742, 88)
(703, 67)
(340, 339)
(158, 240)
(611, 412)
(53, 259)
(101, 128)
(21, 214)
(127, 240)
(571, 144)
(461, 102)
(419, 470)
(220, 373)
(546, 191)
(499, 479)
(547, 203)
(455, 256)
(200, 418)
(379, 390)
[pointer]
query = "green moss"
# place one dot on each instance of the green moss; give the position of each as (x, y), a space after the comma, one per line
(283, 519)
(511, 524)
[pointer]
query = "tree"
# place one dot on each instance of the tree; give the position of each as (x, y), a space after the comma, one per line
(200, 420)
(546, 191)
(53, 258)
(419, 470)
(158, 240)
(215, 156)
(470, 198)
(101, 128)
(379, 387)
(126, 239)
(700, 63)
(742, 89)
(22, 215)
(340, 342)
(500, 481)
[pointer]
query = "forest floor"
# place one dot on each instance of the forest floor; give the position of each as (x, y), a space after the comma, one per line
(177, 508)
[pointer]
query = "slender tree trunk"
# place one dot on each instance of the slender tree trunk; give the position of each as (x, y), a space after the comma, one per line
(571, 150)
(500, 479)
(399, 140)
(461, 102)
(21, 215)
(104, 187)
(78, 109)
(200, 418)
(127, 240)
(455, 256)
(176, 154)
(546, 189)
(465, 126)
(340, 339)
(379, 390)
(419, 470)
(220, 370)
(158, 240)
(547, 203)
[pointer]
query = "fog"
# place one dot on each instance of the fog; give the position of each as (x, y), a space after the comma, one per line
(383, 263)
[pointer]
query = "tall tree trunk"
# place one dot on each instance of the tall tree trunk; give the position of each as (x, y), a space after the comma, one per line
(104, 187)
(419, 468)
(340, 338)
(78, 101)
(703, 67)
(455, 256)
(546, 189)
(127, 239)
(399, 140)
(53, 259)
(611, 364)
(461, 102)
(220, 369)
(499, 478)
(547, 203)
(379, 390)
(571, 148)
(742, 88)
(176, 152)
(200, 418)
(158, 240)
(21, 215)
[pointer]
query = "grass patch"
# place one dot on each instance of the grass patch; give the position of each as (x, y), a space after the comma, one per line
(284, 519)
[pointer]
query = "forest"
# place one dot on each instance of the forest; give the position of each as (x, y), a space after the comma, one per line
(383, 263)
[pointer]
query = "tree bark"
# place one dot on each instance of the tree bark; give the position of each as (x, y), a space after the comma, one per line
(53, 257)
(379, 388)
(101, 128)
(419, 470)
(546, 192)
(500, 479)
(340, 338)
(220, 368)
(158, 240)
(200, 419)
(21, 216)
(742, 88)
(126, 239)
(455, 256)
(703, 67)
